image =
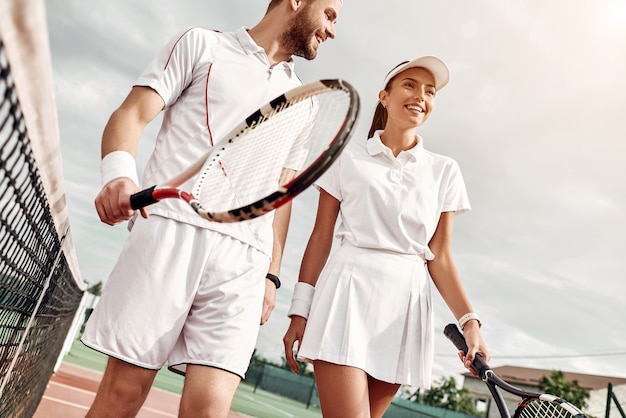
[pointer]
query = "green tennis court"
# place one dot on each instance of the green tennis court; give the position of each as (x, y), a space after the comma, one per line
(257, 404)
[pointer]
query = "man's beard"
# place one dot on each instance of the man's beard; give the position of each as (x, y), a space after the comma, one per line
(297, 39)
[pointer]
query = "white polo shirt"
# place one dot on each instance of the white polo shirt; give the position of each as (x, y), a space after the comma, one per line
(393, 203)
(210, 81)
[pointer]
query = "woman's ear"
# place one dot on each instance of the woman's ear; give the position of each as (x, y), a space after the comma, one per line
(382, 98)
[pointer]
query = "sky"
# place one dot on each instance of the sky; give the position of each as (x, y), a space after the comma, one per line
(533, 114)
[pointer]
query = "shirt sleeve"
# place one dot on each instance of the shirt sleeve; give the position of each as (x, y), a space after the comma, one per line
(171, 71)
(455, 197)
(330, 180)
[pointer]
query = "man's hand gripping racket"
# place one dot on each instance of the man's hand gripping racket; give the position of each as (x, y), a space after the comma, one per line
(269, 158)
(531, 405)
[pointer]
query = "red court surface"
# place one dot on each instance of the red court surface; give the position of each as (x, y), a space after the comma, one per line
(72, 389)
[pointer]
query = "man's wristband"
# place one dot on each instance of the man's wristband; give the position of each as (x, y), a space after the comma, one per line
(118, 164)
(274, 279)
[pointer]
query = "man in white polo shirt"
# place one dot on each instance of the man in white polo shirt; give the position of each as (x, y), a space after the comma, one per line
(185, 291)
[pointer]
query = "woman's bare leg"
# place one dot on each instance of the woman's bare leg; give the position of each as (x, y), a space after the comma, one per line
(381, 394)
(342, 390)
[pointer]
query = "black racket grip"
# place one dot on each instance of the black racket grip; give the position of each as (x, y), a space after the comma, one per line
(452, 332)
(142, 199)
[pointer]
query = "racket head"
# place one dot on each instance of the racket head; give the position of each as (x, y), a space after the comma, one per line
(547, 406)
(303, 131)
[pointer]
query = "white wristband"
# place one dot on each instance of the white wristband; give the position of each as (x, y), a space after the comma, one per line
(301, 300)
(468, 317)
(118, 164)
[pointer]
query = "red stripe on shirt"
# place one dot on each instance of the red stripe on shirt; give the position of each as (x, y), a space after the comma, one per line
(174, 47)
(208, 125)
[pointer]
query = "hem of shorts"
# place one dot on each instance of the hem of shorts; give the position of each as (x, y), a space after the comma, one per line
(121, 357)
(172, 368)
(347, 362)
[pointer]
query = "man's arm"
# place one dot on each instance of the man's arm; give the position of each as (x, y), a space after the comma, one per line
(122, 133)
(280, 227)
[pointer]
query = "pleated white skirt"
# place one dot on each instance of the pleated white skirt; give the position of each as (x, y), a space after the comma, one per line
(373, 310)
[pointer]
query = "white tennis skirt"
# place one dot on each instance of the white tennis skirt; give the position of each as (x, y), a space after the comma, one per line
(373, 310)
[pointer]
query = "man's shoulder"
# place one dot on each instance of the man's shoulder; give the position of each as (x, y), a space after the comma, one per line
(202, 40)
(201, 32)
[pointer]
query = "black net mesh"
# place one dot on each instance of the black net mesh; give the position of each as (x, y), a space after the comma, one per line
(38, 294)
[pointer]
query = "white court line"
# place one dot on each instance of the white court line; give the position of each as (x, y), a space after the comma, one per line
(161, 413)
(74, 388)
(61, 401)
(252, 398)
(75, 405)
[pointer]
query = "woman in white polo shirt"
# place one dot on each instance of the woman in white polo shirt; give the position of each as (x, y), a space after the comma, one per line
(365, 318)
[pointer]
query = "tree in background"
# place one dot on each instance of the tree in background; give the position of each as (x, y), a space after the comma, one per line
(557, 384)
(445, 394)
(95, 289)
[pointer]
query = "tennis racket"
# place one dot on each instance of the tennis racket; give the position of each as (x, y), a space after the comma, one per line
(532, 405)
(269, 158)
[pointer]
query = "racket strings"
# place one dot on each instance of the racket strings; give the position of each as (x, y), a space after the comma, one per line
(538, 408)
(291, 138)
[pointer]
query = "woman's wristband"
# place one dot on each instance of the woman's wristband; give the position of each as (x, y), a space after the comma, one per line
(118, 164)
(274, 279)
(468, 317)
(301, 300)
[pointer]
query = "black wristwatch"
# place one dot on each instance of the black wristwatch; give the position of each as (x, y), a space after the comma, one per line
(274, 279)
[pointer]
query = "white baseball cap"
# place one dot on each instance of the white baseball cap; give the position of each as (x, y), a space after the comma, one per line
(435, 65)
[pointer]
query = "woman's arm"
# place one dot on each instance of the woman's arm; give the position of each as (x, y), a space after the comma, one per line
(448, 282)
(313, 261)
(321, 239)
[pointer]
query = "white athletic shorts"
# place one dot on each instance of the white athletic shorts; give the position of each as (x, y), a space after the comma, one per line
(182, 295)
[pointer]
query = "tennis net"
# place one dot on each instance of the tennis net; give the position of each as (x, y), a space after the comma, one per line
(40, 290)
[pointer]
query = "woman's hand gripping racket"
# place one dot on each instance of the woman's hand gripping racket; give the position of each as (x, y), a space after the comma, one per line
(269, 158)
(532, 405)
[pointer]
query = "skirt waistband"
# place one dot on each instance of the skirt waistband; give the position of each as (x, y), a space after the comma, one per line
(351, 247)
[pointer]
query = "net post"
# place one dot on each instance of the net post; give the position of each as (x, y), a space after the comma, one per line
(610, 396)
(609, 391)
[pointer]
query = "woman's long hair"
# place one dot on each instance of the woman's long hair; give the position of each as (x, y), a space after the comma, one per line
(379, 120)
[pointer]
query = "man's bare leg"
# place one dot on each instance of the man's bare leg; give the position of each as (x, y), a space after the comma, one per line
(122, 391)
(208, 392)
